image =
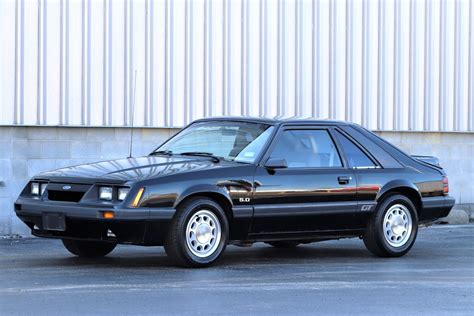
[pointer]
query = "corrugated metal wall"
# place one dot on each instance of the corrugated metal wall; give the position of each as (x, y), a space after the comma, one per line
(390, 65)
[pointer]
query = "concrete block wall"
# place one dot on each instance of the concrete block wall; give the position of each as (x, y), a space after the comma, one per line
(26, 151)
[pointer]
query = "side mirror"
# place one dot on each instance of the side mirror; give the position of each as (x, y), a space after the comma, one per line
(276, 163)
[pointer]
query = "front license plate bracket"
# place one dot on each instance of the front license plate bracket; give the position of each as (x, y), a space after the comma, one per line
(54, 221)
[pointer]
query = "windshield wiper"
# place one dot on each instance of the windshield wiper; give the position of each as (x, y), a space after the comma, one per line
(202, 154)
(162, 152)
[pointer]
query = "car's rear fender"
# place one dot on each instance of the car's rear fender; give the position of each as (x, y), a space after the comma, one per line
(429, 208)
(403, 187)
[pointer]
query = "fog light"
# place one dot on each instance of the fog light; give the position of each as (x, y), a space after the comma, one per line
(122, 193)
(35, 188)
(105, 193)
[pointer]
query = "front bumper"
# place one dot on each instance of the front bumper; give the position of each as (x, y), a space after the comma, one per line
(145, 226)
(436, 207)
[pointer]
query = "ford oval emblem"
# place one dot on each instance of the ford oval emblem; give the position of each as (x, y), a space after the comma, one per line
(66, 187)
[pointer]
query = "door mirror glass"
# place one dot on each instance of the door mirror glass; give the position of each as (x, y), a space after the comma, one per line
(276, 163)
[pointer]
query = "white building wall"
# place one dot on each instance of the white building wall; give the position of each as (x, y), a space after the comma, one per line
(389, 65)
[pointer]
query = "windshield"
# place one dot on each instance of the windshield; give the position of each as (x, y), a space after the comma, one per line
(236, 141)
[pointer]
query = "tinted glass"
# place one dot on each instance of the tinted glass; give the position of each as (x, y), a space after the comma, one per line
(355, 156)
(374, 145)
(239, 141)
(307, 149)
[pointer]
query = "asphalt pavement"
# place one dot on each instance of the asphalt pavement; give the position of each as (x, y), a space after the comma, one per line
(38, 276)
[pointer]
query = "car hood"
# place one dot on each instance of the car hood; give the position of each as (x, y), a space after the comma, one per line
(131, 169)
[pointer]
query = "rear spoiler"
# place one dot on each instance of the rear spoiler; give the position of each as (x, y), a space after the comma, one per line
(428, 159)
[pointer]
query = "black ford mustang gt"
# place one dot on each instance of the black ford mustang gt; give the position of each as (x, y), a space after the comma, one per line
(242, 180)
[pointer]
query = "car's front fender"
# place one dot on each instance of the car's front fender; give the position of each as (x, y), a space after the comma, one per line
(204, 189)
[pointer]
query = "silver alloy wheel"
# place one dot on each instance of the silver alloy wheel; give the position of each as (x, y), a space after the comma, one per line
(397, 225)
(203, 233)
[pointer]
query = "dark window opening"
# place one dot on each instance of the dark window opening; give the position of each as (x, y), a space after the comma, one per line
(307, 149)
(356, 158)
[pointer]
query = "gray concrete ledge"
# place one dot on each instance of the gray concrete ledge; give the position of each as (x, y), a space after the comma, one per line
(28, 150)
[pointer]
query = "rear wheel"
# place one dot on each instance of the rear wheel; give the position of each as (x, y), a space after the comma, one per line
(198, 233)
(393, 228)
(88, 249)
(283, 244)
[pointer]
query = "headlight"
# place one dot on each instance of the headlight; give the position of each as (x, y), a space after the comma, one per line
(35, 188)
(122, 193)
(105, 193)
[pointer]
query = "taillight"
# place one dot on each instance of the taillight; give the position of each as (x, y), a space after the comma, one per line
(445, 185)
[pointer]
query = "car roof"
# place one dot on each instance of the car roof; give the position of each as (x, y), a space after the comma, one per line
(277, 120)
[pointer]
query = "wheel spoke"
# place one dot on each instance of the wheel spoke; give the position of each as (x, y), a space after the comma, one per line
(397, 225)
(202, 233)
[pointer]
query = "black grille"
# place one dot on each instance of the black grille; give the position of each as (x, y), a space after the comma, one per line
(65, 196)
(66, 192)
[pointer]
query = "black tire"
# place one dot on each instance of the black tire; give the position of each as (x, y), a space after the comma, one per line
(88, 249)
(283, 244)
(176, 244)
(374, 237)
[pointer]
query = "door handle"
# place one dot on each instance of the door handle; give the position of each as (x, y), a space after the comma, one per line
(344, 179)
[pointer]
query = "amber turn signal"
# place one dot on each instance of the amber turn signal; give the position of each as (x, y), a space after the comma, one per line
(138, 197)
(108, 215)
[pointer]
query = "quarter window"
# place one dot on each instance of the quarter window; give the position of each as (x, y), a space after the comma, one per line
(356, 158)
(307, 149)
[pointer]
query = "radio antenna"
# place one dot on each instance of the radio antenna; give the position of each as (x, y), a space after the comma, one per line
(132, 115)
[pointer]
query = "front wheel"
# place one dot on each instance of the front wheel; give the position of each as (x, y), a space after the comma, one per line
(392, 230)
(88, 249)
(198, 233)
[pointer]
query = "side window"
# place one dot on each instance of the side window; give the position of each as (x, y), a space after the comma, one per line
(356, 158)
(307, 149)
